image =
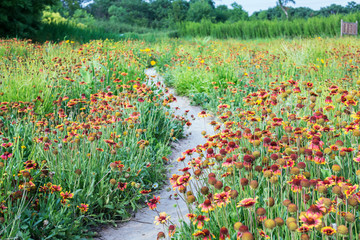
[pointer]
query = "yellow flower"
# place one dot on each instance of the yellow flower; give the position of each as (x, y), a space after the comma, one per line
(152, 63)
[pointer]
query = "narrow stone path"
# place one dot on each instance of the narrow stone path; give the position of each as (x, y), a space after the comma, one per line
(142, 226)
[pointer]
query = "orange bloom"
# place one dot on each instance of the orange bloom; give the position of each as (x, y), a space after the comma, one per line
(162, 218)
(206, 206)
(247, 202)
(204, 234)
(153, 202)
(328, 231)
(311, 219)
(83, 207)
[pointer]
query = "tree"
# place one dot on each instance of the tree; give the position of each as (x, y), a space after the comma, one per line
(134, 12)
(222, 13)
(301, 12)
(282, 4)
(117, 14)
(72, 5)
(353, 7)
(160, 13)
(200, 9)
(179, 10)
(100, 8)
(210, 2)
(21, 17)
(237, 13)
(332, 9)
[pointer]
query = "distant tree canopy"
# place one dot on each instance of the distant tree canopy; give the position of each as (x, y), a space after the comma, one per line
(68, 7)
(21, 17)
(165, 13)
(305, 12)
(283, 5)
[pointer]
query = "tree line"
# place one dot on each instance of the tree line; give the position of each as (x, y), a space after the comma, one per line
(22, 17)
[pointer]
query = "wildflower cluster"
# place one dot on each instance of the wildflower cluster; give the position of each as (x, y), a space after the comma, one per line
(284, 160)
(84, 142)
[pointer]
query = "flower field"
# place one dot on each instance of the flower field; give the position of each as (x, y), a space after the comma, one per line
(284, 163)
(85, 137)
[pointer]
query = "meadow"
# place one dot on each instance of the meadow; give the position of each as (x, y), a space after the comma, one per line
(85, 137)
(284, 163)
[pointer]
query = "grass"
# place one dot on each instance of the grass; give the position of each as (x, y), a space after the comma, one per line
(84, 139)
(312, 27)
(285, 152)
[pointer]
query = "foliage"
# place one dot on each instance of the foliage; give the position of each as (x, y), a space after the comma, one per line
(22, 17)
(311, 27)
(84, 136)
(199, 10)
(58, 32)
(284, 159)
(140, 16)
(56, 18)
(283, 5)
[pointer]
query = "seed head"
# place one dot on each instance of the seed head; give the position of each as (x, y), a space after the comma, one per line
(234, 194)
(356, 133)
(301, 165)
(254, 184)
(305, 183)
(268, 174)
(292, 226)
(211, 175)
(295, 171)
(349, 217)
(256, 154)
(244, 182)
(204, 190)
(292, 208)
(279, 221)
(281, 161)
(212, 181)
(336, 168)
(260, 211)
(160, 235)
(286, 202)
(343, 230)
(237, 226)
(289, 220)
(218, 185)
(304, 236)
(353, 201)
(191, 199)
(322, 189)
(274, 179)
(78, 171)
(270, 224)
(247, 236)
(336, 190)
(271, 202)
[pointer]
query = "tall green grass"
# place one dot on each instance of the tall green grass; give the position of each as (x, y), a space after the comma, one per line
(316, 26)
(58, 32)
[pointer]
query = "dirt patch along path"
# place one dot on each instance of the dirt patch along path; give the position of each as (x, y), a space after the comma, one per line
(142, 226)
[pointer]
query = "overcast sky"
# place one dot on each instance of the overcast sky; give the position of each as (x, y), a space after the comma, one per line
(255, 5)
